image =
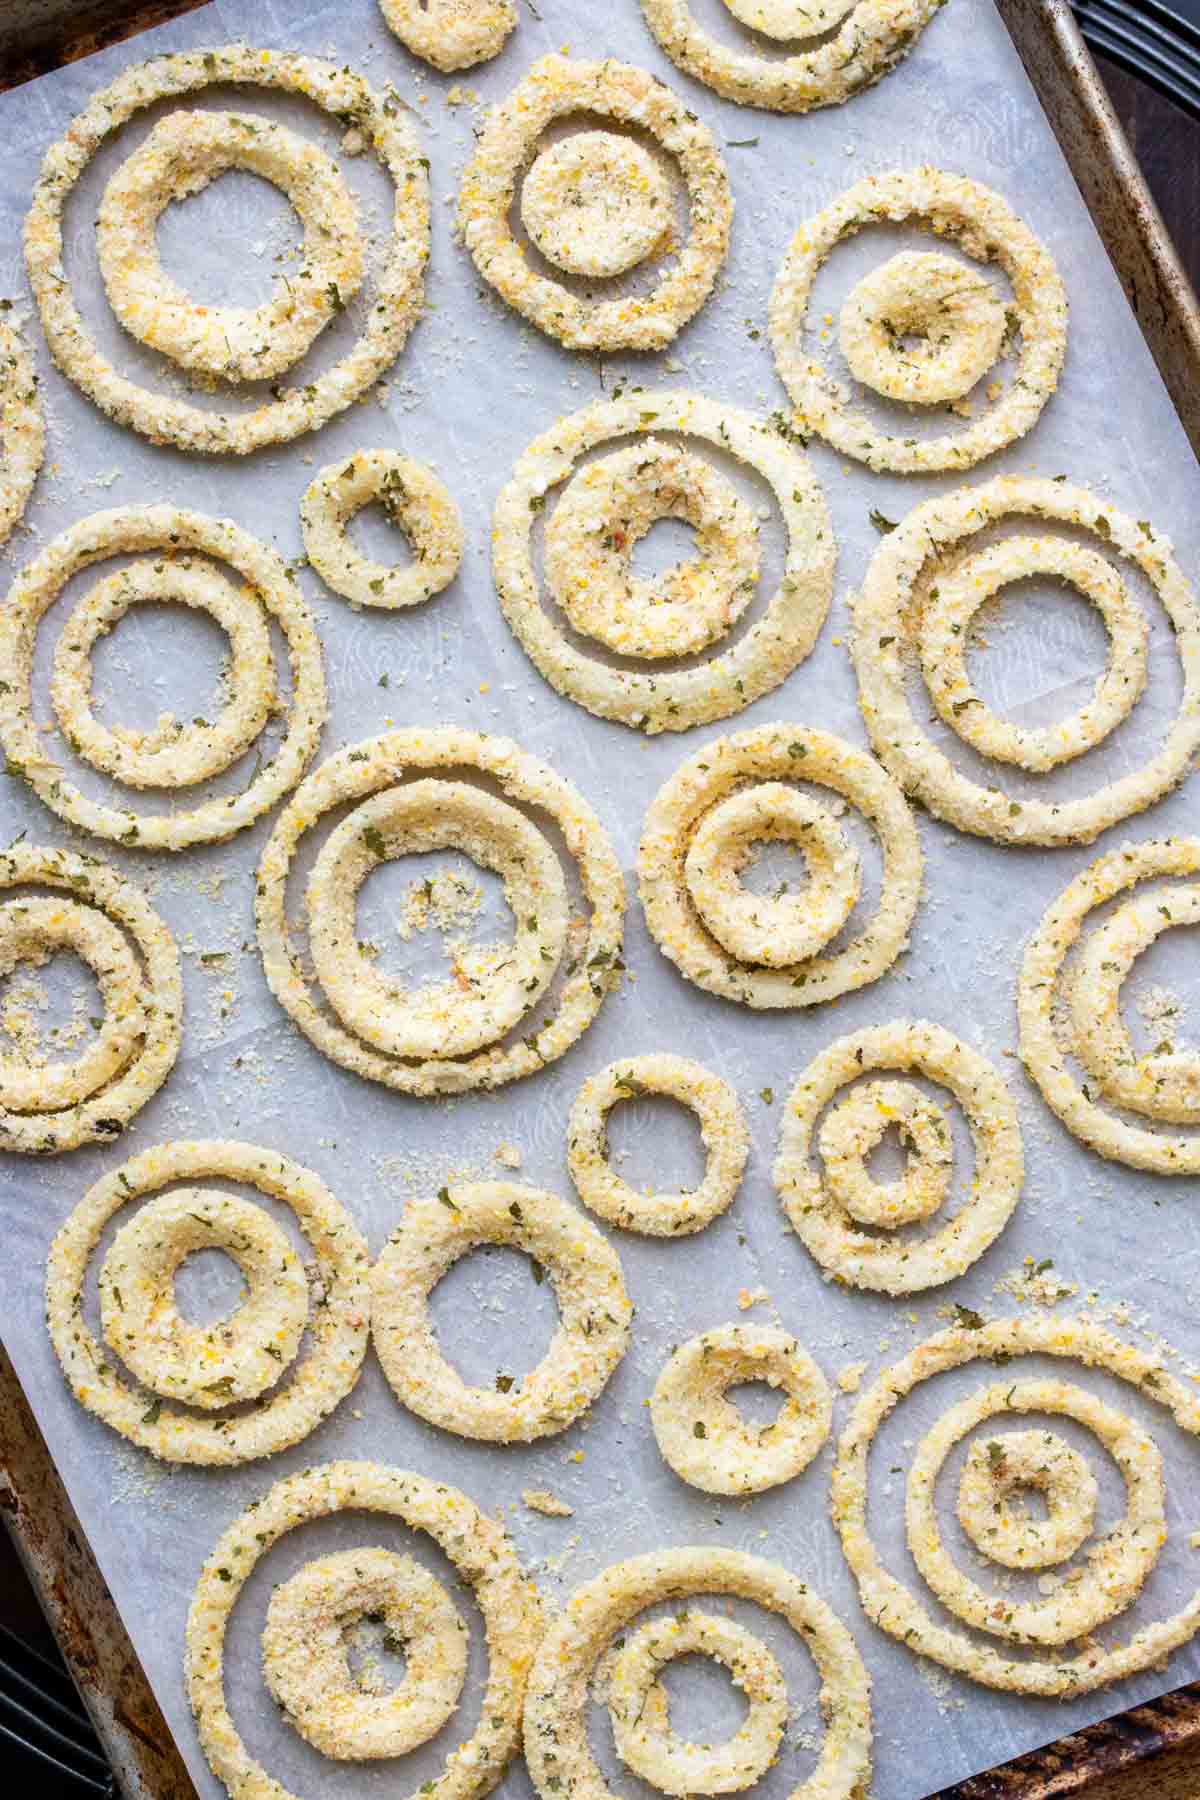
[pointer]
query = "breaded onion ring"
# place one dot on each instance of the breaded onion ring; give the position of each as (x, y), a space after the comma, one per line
(744, 763)
(987, 229)
(180, 156)
(162, 417)
(337, 1328)
(586, 1274)
(380, 766)
(451, 34)
(818, 1209)
(49, 1108)
(22, 430)
(174, 532)
(414, 499)
(1161, 1087)
(903, 573)
(722, 1131)
(869, 43)
(308, 1671)
(554, 88)
(478, 1548)
(703, 1436)
(1118, 1563)
(673, 699)
(557, 1752)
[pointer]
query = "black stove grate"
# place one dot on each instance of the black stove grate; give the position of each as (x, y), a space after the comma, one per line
(1148, 39)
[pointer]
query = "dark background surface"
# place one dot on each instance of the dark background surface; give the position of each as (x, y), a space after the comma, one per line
(1167, 144)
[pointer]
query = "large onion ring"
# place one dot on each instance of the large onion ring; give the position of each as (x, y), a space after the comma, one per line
(479, 1549)
(867, 45)
(556, 1744)
(769, 754)
(162, 417)
(22, 430)
(886, 1600)
(364, 770)
(670, 700)
(337, 1327)
(1044, 1057)
(897, 575)
(988, 229)
(170, 530)
(553, 89)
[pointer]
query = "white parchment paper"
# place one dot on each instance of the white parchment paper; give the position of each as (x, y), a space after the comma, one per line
(472, 388)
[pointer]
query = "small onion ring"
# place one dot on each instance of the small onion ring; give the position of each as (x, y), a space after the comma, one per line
(857, 1124)
(180, 156)
(22, 430)
(440, 1021)
(775, 644)
(895, 576)
(956, 315)
(308, 1672)
(172, 530)
(868, 44)
(556, 1744)
(171, 754)
(337, 1328)
(451, 34)
(1165, 1085)
(722, 1130)
(479, 1549)
(639, 1706)
(414, 499)
(703, 1436)
(900, 1266)
(210, 1366)
(607, 507)
(381, 763)
(974, 581)
(1036, 1459)
(592, 1334)
(885, 1599)
(1041, 969)
(988, 230)
(554, 88)
(161, 417)
(154, 1003)
(776, 753)
(1118, 1566)
(596, 204)
(755, 928)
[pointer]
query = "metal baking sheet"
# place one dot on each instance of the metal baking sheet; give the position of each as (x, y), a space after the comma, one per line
(472, 388)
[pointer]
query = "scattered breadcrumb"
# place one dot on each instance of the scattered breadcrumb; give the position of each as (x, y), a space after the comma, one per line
(541, 1500)
(850, 1378)
(748, 1297)
(1036, 1283)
